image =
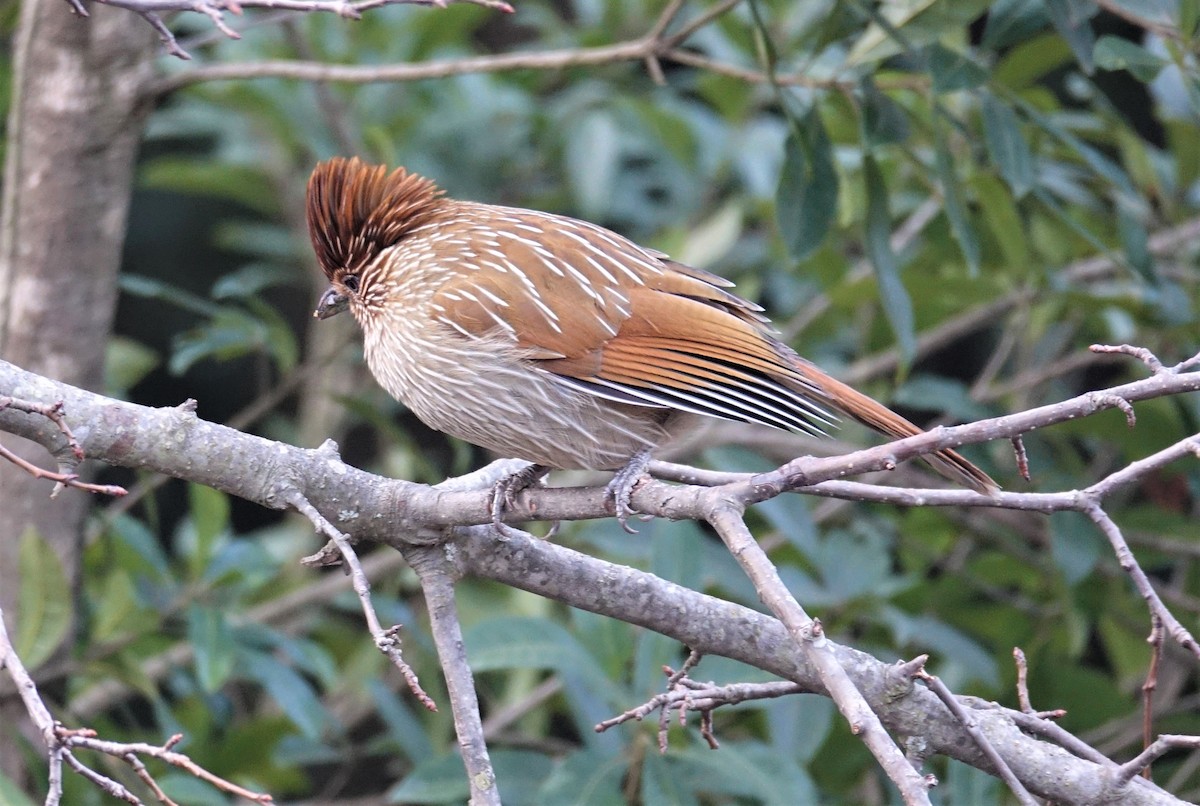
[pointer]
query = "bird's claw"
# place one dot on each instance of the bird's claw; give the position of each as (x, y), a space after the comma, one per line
(505, 492)
(620, 490)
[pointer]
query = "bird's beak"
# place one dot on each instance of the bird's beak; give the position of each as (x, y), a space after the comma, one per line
(331, 304)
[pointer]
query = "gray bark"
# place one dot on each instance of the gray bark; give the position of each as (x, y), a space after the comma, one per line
(73, 130)
(176, 442)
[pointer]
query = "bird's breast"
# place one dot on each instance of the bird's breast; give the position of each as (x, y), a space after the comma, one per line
(485, 392)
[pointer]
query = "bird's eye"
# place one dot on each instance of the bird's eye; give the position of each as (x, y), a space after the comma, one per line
(351, 282)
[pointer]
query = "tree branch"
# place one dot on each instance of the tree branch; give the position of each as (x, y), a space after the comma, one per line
(152, 10)
(175, 441)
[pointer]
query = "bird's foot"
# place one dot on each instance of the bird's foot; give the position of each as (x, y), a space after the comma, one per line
(505, 491)
(620, 489)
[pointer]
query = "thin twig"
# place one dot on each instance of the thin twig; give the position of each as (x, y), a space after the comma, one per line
(634, 50)
(1022, 680)
(151, 11)
(61, 742)
(972, 727)
(437, 583)
(63, 477)
(809, 637)
(1155, 640)
(1089, 507)
(1162, 746)
(386, 640)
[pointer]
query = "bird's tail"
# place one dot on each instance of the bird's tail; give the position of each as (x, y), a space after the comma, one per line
(872, 414)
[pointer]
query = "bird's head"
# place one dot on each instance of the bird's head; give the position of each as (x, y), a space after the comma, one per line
(355, 213)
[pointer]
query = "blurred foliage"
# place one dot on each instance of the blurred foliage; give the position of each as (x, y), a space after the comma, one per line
(1019, 137)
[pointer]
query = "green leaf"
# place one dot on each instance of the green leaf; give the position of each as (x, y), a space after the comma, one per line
(249, 280)
(1011, 22)
(243, 184)
(1124, 647)
(585, 778)
(1115, 53)
(126, 363)
(1096, 160)
(1136, 242)
(952, 70)
(799, 724)
(713, 238)
(1189, 17)
(1074, 545)
(1030, 61)
(11, 794)
(961, 658)
(186, 788)
(942, 395)
(437, 779)
(1003, 219)
(291, 692)
(807, 199)
(402, 725)
(520, 774)
(897, 305)
(1071, 19)
(1006, 145)
(511, 642)
(592, 158)
(134, 534)
(751, 770)
(884, 121)
(212, 641)
(661, 783)
(231, 333)
(906, 24)
(44, 609)
(150, 288)
(965, 784)
(674, 130)
(114, 608)
(956, 208)
(279, 338)
(210, 517)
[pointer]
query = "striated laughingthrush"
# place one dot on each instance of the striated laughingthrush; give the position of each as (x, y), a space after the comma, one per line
(553, 340)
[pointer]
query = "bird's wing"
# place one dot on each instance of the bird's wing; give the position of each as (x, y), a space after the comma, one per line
(694, 354)
(611, 319)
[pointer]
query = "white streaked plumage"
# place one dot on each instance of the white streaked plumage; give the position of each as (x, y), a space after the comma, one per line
(552, 339)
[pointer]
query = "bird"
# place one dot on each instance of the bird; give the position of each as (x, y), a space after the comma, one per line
(550, 339)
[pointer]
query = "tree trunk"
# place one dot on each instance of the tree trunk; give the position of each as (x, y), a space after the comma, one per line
(73, 129)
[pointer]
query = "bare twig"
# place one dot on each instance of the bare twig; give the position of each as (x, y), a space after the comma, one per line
(61, 742)
(1162, 746)
(409, 504)
(1155, 639)
(725, 515)
(151, 11)
(1091, 508)
(1022, 457)
(63, 477)
(972, 726)
(437, 582)
(1140, 353)
(1022, 680)
(657, 47)
(386, 640)
(684, 694)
